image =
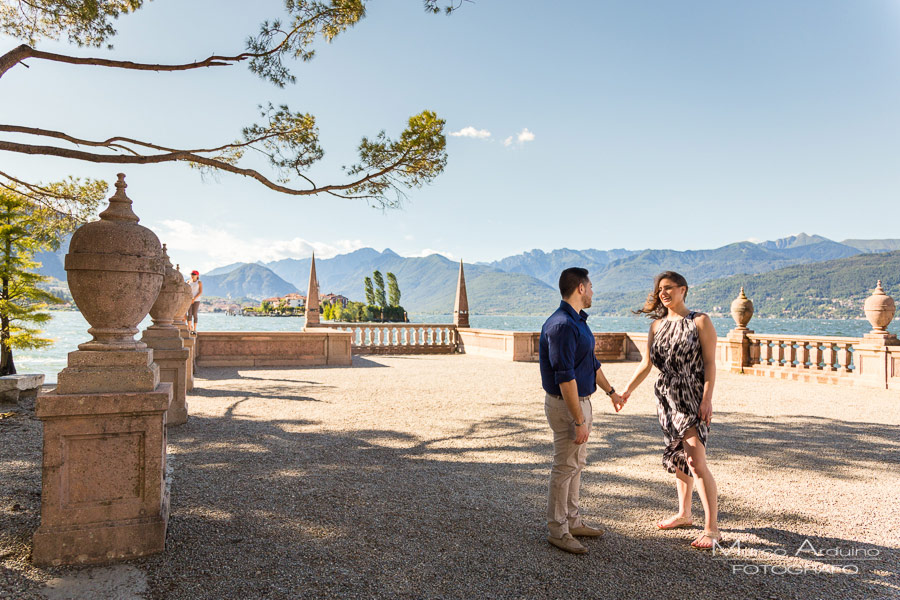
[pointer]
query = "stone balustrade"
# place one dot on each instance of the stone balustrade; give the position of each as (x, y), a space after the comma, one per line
(400, 338)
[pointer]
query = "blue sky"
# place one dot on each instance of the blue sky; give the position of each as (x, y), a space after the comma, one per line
(656, 124)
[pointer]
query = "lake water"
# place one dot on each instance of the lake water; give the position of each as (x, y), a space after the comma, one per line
(68, 329)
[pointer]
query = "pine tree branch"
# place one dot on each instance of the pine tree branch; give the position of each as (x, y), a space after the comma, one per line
(187, 156)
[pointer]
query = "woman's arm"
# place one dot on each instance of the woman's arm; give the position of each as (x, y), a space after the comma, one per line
(643, 369)
(708, 340)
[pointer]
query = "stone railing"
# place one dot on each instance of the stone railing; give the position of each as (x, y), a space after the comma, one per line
(810, 353)
(399, 338)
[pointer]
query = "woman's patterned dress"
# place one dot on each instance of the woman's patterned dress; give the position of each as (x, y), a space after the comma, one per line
(676, 352)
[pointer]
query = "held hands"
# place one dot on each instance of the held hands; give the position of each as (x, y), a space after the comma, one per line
(619, 400)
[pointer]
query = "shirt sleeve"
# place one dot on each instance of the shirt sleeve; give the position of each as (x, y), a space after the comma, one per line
(596, 363)
(561, 342)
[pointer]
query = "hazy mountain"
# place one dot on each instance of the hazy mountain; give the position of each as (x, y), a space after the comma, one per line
(219, 270)
(794, 241)
(53, 264)
(547, 266)
(624, 270)
(427, 284)
(834, 288)
(524, 283)
(873, 245)
(252, 280)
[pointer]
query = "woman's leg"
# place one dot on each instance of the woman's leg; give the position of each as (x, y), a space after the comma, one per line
(706, 485)
(684, 484)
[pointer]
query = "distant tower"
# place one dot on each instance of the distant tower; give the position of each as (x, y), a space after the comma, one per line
(461, 308)
(312, 296)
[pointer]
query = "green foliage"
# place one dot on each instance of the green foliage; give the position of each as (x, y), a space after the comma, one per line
(415, 159)
(28, 227)
(380, 299)
(290, 140)
(357, 312)
(393, 290)
(265, 307)
(370, 291)
(83, 22)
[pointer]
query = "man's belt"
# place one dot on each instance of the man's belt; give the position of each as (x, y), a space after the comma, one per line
(558, 397)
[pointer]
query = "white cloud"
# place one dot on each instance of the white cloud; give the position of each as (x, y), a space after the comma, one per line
(520, 138)
(220, 247)
(525, 136)
(481, 134)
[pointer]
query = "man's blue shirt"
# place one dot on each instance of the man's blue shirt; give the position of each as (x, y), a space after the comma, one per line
(566, 351)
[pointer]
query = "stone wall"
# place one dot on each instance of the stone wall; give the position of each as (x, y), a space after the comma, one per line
(272, 348)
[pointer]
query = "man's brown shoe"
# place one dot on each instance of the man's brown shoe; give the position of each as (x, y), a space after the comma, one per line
(568, 543)
(586, 531)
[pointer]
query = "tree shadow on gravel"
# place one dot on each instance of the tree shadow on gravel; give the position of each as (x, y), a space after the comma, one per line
(284, 509)
(386, 513)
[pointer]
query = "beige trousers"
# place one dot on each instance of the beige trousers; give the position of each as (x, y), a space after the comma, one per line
(568, 460)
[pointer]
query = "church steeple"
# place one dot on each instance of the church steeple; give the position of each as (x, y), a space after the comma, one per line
(312, 295)
(461, 307)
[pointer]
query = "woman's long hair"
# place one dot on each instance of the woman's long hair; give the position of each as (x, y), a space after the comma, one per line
(653, 307)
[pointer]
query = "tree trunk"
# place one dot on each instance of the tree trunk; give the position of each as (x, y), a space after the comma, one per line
(7, 366)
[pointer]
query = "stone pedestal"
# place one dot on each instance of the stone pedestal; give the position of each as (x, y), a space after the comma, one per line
(190, 342)
(173, 360)
(111, 371)
(739, 348)
(105, 494)
(875, 356)
(875, 360)
(104, 491)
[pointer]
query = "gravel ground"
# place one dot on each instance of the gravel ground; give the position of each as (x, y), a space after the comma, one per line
(425, 477)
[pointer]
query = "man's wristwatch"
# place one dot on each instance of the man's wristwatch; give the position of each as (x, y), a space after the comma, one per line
(611, 391)
(580, 424)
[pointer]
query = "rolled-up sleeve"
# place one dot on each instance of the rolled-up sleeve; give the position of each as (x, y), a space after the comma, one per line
(561, 341)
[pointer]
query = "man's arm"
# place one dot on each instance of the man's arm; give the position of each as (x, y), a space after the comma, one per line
(569, 391)
(561, 345)
(604, 384)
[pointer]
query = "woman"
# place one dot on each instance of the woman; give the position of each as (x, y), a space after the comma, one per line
(194, 309)
(682, 345)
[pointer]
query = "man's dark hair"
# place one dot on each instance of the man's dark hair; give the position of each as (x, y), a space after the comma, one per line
(570, 279)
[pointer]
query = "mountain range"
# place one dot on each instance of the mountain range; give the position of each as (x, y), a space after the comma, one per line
(526, 283)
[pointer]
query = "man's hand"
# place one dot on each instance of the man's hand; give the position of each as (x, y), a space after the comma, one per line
(618, 401)
(582, 432)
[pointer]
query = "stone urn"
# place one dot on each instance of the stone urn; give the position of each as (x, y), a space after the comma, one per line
(115, 271)
(742, 310)
(879, 309)
(170, 297)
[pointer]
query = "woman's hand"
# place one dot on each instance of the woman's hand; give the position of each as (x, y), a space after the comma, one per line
(706, 411)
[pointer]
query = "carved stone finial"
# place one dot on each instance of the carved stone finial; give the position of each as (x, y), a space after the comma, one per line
(742, 310)
(119, 208)
(879, 309)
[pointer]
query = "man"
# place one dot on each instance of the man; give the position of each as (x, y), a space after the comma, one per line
(570, 373)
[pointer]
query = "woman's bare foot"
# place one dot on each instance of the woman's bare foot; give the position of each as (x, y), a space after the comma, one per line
(674, 522)
(705, 541)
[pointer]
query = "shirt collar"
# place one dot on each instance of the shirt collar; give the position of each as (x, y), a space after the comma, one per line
(571, 311)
